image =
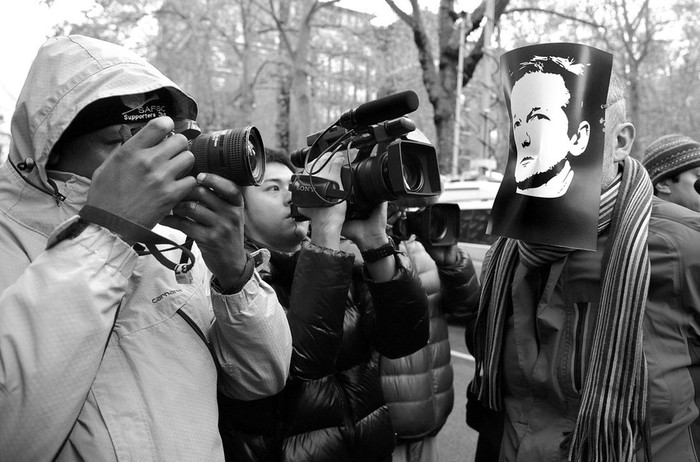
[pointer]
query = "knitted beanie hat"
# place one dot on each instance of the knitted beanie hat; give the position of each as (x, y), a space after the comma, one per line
(670, 155)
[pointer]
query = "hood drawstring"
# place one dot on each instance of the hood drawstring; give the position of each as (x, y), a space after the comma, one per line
(28, 165)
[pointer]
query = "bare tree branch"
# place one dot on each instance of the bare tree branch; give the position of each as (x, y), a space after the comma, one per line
(405, 17)
(554, 13)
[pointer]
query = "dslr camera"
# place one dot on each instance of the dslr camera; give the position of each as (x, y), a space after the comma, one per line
(436, 225)
(237, 154)
(387, 165)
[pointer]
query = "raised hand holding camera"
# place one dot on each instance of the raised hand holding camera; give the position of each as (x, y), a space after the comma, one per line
(326, 218)
(212, 215)
(161, 176)
(142, 180)
(434, 225)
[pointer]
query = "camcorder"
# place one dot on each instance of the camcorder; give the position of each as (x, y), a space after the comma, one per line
(237, 154)
(387, 165)
(436, 225)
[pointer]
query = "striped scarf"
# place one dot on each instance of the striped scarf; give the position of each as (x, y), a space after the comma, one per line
(537, 255)
(613, 405)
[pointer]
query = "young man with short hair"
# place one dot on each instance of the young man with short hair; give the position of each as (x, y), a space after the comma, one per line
(342, 315)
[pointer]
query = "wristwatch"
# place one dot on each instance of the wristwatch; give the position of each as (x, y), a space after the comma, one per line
(372, 255)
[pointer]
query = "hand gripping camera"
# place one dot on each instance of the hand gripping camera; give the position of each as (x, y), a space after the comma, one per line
(237, 154)
(387, 165)
(436, 225)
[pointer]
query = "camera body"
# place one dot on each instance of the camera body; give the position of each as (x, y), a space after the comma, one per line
(237, 154)
(387, 165)
(436, 225)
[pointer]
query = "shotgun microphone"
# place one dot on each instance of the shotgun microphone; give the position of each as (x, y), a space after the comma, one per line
(386, 108)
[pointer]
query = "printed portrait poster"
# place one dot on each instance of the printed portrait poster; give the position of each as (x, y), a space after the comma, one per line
(550, 193)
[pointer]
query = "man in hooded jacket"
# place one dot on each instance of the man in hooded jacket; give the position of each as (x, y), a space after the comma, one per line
(103, 350)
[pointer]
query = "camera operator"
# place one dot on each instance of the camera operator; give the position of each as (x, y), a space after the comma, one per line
(342, 316)
(103, 350)
(419, 388)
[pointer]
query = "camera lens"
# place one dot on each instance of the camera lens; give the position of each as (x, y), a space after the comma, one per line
(438, 226)
(412, 172)
(237, 154)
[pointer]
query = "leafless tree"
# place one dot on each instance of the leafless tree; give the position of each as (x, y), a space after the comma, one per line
(440, 76)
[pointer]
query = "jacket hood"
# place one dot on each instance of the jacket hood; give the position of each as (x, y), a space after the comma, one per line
(67, 74)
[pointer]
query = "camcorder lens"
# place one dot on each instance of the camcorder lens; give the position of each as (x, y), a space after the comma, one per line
(237, 154)
(438, 225)
(412, 174)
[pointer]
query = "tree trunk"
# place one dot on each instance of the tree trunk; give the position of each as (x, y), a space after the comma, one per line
(633, 110)
(299, 99)
(282, 123)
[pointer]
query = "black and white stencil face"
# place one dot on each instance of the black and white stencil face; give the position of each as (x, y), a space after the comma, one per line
(555, 94)
(541, 134)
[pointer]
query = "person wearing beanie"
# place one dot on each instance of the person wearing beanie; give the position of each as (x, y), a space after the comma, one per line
(106, 352)
(673, 163)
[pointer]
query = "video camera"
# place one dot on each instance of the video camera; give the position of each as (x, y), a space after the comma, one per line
(237, 154)
(387, 165)
(437, 225)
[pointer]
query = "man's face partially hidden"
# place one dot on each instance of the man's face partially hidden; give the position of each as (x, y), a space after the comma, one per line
(268, 213)
(540, 129)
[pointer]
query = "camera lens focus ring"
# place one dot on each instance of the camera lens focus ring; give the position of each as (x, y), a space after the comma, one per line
(237, 154)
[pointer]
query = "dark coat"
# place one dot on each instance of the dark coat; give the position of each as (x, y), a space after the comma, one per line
(332, 408)
(418, 388)
(560, 334)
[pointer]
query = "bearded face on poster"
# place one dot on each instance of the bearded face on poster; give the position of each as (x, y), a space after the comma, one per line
(555, 94)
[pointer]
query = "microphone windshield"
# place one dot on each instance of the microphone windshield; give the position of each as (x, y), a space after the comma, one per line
(379, 110)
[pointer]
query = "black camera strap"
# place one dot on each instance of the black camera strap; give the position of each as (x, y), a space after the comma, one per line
(135, 232)
(314, 191)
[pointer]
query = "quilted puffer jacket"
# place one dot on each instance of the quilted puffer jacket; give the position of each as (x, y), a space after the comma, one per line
(418, 387)
(332, 408)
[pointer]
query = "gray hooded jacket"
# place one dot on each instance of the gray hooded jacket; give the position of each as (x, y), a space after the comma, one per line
(94, 362)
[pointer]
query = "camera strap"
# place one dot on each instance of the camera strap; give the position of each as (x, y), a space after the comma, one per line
(141, 234)
(314, 191)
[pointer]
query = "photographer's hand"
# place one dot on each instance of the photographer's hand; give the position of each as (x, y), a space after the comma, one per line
(143, 179)
(212, 215)
(327, 222)
(446, 255)
(368, 234)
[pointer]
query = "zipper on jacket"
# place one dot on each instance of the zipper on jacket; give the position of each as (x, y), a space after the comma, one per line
(28, 165)
(349, 424)
(201, 335)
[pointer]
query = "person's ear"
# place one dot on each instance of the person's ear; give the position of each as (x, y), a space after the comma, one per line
(663, 187)
(625, 134)
(580, 139)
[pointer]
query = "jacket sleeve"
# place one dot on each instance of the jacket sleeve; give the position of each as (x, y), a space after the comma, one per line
(55, 320)
(252, 341)
(460, 289)
(317, 309)
(397, 311)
